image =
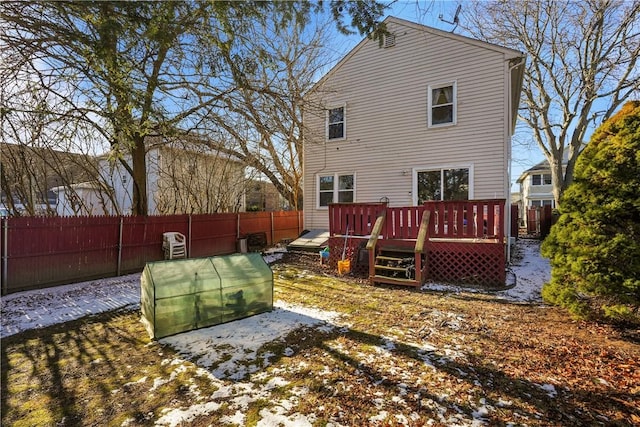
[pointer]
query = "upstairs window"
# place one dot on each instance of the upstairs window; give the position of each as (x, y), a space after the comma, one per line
(541, 179)
(336, 123)
(442, 105)
(540, 203)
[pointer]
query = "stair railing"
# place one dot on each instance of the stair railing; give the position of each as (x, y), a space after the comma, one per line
(373, 241)
(423, 237)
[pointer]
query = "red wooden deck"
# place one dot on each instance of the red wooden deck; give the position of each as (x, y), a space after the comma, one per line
(465, 239)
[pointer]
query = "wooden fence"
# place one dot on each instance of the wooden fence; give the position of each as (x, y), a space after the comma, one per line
(466, 238)
(539, 221)
(38, 252)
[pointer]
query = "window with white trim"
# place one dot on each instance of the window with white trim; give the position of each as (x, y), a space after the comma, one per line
(442, 105)
(442, 184)
(336, 188)
(540, 203)
(541, 179)
(336, 123)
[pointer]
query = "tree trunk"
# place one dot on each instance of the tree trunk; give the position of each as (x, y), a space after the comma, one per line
(138, 156)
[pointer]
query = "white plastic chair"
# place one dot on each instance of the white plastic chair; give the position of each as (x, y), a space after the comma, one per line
(174, 245)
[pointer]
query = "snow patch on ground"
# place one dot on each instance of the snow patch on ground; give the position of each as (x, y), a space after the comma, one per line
(227, 354)
(230, 349)
(529, 270)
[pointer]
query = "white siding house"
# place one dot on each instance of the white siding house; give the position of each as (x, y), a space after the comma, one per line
(181, 178)
(85, 198)
(428, 116)
(535, 186)
(536, 189)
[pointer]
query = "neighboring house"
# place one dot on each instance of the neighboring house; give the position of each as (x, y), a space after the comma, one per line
(535, 185)
(27, 174)
(182, 177)
(427, 116)
(85, 198)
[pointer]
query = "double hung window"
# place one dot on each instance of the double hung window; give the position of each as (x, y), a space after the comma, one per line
(336, 188)
(541, 179)
(442, 105)
(336, 123)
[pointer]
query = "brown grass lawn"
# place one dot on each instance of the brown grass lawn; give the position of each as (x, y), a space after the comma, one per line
(396, 357)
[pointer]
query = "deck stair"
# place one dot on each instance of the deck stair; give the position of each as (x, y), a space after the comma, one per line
(394, 263)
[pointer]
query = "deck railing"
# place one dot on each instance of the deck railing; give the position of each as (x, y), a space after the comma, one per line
(356, 219)
(465, 219)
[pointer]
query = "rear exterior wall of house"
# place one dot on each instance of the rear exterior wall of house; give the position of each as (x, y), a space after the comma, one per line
(387, 138)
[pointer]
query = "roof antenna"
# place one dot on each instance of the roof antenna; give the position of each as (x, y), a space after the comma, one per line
(456, 21)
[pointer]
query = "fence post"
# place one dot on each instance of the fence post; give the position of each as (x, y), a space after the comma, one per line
(272, 229)
(5, 257)
(119, 247)
(189, 238)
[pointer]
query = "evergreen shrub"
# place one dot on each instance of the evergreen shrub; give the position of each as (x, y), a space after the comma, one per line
(594, 247)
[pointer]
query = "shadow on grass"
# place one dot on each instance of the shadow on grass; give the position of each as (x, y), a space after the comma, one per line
(59, 374)
(524, 399)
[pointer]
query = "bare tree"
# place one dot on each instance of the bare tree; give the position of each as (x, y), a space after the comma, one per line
(261, 123)
(193, 178)
(582, 65)
(139, 69)
(39, 149)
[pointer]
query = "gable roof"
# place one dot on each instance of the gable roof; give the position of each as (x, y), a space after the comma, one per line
(543, 166)
(509, 53)
(516, 57)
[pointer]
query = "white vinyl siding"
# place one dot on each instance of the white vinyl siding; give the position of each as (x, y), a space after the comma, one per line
(388, 137)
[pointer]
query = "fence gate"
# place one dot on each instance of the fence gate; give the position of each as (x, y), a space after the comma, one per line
(539, 220)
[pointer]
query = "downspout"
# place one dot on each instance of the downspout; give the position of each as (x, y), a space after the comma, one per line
(5, 256)
(510, 131)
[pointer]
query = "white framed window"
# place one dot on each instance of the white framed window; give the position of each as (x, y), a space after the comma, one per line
(442, 183)
(543, 202)
(541, 179)
(336, 127)
(442, 105)
(335, 188)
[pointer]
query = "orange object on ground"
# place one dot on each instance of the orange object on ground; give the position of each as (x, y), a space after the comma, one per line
(344, 266)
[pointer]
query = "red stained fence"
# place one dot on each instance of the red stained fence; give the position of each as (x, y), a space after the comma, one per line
(45, 251)
(539, 221)
(353, 218)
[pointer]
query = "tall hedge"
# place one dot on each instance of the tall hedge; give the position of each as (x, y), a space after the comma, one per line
(594, 247)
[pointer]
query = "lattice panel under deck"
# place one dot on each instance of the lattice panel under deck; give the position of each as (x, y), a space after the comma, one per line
(481, 264)
(359, 266)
